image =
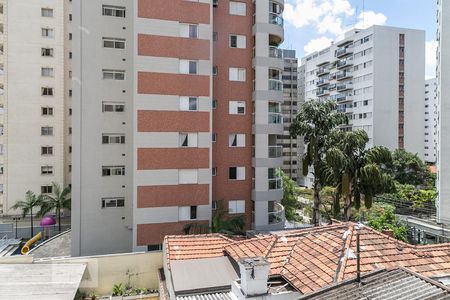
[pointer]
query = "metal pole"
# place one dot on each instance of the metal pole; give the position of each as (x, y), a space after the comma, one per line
(358, 259)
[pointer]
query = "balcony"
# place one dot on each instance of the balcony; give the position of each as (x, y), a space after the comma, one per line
(322, 82)
(277, 216)
(344, 75)
(344, 63)
(323, 71)
(275, 151)
(275, 52)
(344, 98)
(322, 92)
(275, 118)
(344, 87)
(275, 183)
(275, 85)
(343, 52)
(276, 19)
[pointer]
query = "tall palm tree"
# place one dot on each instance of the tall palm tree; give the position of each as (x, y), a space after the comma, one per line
(27, 206)
(356, 170)
(58, 200)
(315, 121)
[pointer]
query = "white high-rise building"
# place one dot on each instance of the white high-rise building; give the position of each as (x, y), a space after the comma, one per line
(376, 76)
(443, 104)
(430, 119)
(33, 98)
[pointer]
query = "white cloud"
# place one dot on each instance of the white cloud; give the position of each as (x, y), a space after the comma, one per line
(317, 44)
(430, 59)
(325, 15)
(369, 18)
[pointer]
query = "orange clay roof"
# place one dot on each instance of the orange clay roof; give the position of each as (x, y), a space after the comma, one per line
(312, 258)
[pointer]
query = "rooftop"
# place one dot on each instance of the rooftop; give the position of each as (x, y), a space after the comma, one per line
(313, 258)
(57, 246)
(396, 284)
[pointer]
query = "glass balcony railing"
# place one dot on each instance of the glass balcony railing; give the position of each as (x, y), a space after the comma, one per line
(344, 63)
(275, 118)
(275, 52)
(344, 74)
(277, 216)
(275, 85)
(343, 87)
(275, 151)
(275, 183)
(343, 51)
(276, 19)
(322, 82)
(322, 71)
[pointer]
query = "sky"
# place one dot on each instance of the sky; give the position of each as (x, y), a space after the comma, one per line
(311, 25)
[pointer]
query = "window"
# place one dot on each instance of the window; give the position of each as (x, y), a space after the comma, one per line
(114, 43)
(188, 67)
(237, 108)
(113, 202)
(46, 150)
(47, 52)
(186, 213)
(188, 103)
(47, 72)
(189, 31)
(214, 104)
(236, 173)
(113, 107)
(47, 91)
(238, 41)
(187, 176)
(215, 3)
(214, 171)
(113, 139)
(47, 111)
(157, 247)
(214, 137)
(47, 32)
(214, 205)
(46, 170)
(46, 130)
(47, 12)
(114, 11)
(46, 189)
(215, 36)
(236, 140)
(114, 74)
(237, 8)
(70, 36)
(113, 171)
(236, 206)
(188, 140)
(215, 70)
(237, 74)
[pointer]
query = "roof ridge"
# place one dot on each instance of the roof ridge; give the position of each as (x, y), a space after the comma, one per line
(306, 231)
(342, 262)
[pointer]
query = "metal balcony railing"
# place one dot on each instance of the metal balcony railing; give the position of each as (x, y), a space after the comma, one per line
(278, 215)
(275, 151)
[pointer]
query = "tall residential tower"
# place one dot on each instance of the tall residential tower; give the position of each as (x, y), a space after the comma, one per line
(172, 118)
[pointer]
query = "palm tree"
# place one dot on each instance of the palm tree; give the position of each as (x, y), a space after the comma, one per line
(315, 121)
(31, 201)
(58, 200)
(356, 171)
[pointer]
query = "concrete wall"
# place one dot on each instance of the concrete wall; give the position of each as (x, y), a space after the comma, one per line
(430, 121)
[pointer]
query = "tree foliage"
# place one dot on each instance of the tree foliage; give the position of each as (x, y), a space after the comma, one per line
(57, 201)
(290, 201)
(381, 217)
(27, 206)
(314, 122)
(408, 168)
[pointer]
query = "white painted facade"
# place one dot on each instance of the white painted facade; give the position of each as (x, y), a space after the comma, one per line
(430, 138)
(27, 73)
(362, 73)
(443, 104)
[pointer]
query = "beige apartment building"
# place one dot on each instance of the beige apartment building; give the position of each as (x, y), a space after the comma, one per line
(34, 99)
(172, 115)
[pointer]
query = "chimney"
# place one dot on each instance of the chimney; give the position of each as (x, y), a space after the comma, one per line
(254, 275)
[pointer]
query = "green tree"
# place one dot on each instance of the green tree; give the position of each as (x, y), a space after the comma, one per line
(381, 217)
(31, 201)
(408, 168)
(357, 171)
(315, 121)
(290, 194)
(57, 201)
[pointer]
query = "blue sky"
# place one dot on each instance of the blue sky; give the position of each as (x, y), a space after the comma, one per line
(311, 24)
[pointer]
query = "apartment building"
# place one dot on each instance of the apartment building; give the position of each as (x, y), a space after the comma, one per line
(32, 98)
(288, 145)
(172, 114)
(430, 138)
(443, 98)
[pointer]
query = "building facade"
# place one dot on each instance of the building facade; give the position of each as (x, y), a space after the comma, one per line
(443, 105)
(172, 119)
(430, 138)
(33, 98)
(290, 146)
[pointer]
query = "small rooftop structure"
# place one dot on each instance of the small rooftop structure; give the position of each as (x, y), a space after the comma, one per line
(396, 284)
(8, 246)
(40, 281)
